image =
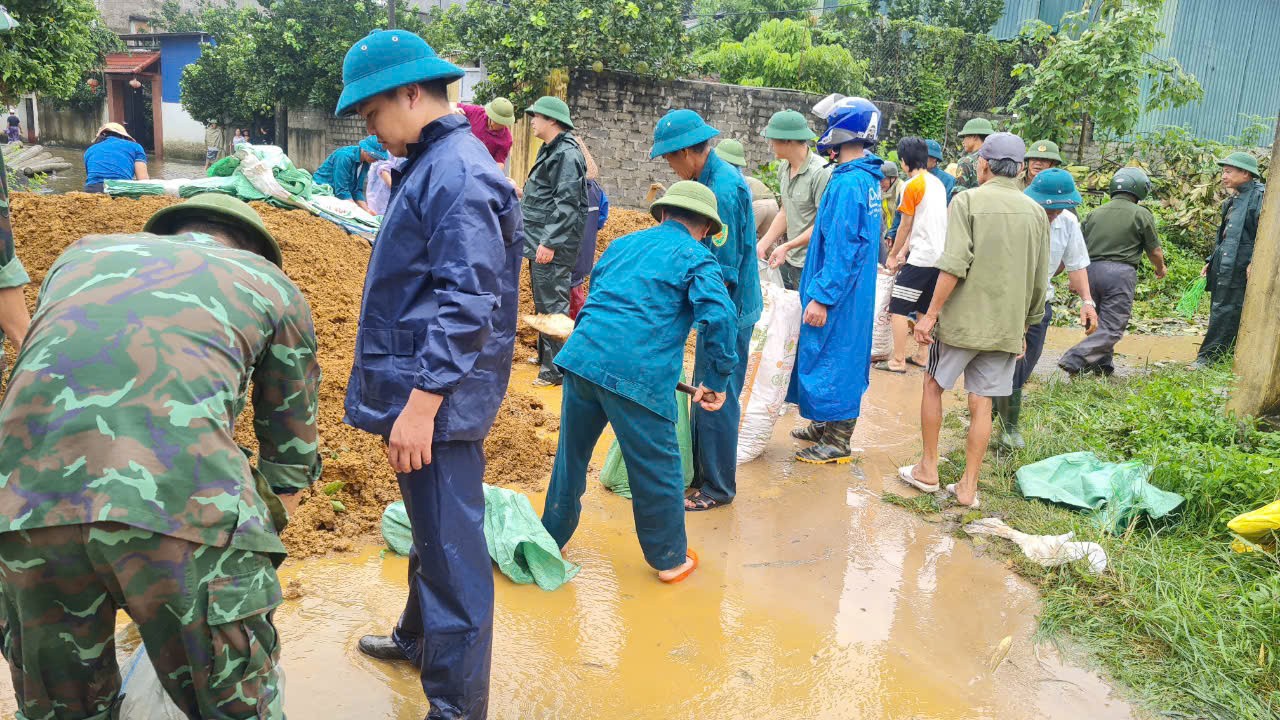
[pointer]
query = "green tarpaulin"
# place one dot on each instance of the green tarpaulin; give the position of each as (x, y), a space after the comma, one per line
(518, 543)
(1116, 492)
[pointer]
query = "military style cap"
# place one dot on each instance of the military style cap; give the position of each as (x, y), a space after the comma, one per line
(1044, 150)
(1243, 161)
(693, 196)
(680, 129)
(385, 60)
(981, 127)
(215, 206)
(552, 107)
(731, 152)
(788, 125)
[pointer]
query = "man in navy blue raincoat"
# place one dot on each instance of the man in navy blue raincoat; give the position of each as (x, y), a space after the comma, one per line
(838, 288)
(681, 138)
(623, 361)
(433, 357)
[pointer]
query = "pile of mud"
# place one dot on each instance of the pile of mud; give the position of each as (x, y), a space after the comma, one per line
(621, 222)
(329, 266)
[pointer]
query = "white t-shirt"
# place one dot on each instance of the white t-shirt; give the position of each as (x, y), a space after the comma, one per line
(924, 198)
(1066, 246)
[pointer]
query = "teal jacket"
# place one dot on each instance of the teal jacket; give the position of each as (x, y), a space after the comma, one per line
(647, 291)
(735, 246)
(345, 173)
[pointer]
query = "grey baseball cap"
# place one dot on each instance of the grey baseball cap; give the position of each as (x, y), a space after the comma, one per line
(1003, 146)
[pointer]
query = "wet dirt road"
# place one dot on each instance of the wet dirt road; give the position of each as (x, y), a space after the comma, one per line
(815, 600)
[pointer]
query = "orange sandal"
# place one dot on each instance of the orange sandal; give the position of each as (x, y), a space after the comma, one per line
(689, 553)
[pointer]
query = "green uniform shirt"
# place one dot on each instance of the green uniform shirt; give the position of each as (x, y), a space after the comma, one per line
(800, 197)
(998, 246)
(123, 402)
(1119, 231)
(966, 173)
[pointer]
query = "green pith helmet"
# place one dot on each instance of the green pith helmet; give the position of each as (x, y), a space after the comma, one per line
(1130, 180)
(693, 196)
(981, 127)
(1243, 161)
(1044, 150)
(788, 125)
(552, 107)
(501, 112)
(731, 152)
(215, 206)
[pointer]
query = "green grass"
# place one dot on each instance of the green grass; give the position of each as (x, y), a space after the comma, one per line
(1192, 627)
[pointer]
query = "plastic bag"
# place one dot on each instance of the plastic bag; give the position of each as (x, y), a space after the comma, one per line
(1116, 492)
(768, 275)
(614, 473)
(1047, 550)
(519, 544)
(769, 366)
(517, 541)
(882, 334)
(144, 698)
(1190, 302)
(1259, 527)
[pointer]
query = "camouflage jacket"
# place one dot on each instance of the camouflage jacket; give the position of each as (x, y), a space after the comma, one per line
(966, 173)
(123, 402)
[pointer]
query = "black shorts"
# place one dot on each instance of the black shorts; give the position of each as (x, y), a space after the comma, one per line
(913, 290)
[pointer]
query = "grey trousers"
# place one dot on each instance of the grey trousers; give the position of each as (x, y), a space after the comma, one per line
(1112, 285)
(550, 286)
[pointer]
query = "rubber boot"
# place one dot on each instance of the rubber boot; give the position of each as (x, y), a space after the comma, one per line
(833, 447)
(812, 433)
(1010, 435)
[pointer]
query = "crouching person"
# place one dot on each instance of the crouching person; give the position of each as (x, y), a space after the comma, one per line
(622, 363)
(124, 487)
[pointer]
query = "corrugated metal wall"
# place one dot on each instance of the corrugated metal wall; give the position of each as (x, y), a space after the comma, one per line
(1231, 46)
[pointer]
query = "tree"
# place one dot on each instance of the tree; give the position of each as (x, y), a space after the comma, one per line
(1095, 73)
(522, 42)
(720, 20)
(55, 44)
(781, 53)
(222, 84)
(972, 16)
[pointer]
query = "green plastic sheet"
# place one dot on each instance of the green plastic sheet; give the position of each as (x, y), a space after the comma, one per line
(518, 543)
(614, 473)
(1115, 492)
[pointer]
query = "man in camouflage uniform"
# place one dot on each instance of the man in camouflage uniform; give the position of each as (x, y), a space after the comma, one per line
(123, 487)
(972, 135)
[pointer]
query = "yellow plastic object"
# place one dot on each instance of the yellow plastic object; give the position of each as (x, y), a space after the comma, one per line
(1259, 527)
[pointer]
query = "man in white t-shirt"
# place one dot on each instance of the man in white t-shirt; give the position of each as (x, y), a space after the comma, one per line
(915, 250)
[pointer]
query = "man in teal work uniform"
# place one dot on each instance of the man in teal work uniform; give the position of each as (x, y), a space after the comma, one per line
(625, 357)
(972, 135)
(1116, 235)
(681, 138)
(346, 170)
(1227, 268)
(124, 488)
(934, 167)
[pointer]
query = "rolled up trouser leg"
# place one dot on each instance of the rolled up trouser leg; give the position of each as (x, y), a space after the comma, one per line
(452, 584)
(1112, 285)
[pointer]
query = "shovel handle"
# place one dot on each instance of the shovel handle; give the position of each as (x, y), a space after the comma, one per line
(686, 388)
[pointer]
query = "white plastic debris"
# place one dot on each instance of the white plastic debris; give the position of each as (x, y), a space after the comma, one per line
(1048, 550)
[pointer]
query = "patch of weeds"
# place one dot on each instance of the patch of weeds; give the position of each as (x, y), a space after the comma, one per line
(923, 503)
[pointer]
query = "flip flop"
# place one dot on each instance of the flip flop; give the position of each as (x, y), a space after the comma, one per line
(912, 361)
(884, 365)
(906, 476)
(689, 553)
(701, 502)
(951, 490)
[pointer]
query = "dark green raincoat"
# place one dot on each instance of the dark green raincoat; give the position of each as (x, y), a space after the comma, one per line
(1228, 265)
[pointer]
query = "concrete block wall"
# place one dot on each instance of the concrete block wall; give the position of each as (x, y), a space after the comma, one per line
(314, 133)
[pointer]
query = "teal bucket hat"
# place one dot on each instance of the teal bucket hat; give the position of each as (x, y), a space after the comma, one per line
(374, 148)
(1054, 189)
(935, 149)
(679, 129)
(385, 60)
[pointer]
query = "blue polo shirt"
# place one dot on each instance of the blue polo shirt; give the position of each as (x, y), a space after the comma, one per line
(112, 159)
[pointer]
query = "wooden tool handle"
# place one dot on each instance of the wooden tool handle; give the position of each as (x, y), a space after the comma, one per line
(686, 388)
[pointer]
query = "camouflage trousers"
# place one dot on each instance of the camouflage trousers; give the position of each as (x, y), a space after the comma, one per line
(204, 614)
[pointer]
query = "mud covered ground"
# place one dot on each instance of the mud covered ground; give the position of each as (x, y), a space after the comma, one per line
(329, 266)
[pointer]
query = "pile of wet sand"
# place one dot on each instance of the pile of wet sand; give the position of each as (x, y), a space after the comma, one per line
(329, 266)
(621, 222)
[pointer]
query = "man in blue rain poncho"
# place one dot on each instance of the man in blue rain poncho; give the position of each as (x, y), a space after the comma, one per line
(433, 355)
(346, 170)
(623, 360)
(681, 138)
(838, 288)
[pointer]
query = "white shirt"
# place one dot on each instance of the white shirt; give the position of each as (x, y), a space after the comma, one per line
(924, 198)
(1066, 246)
